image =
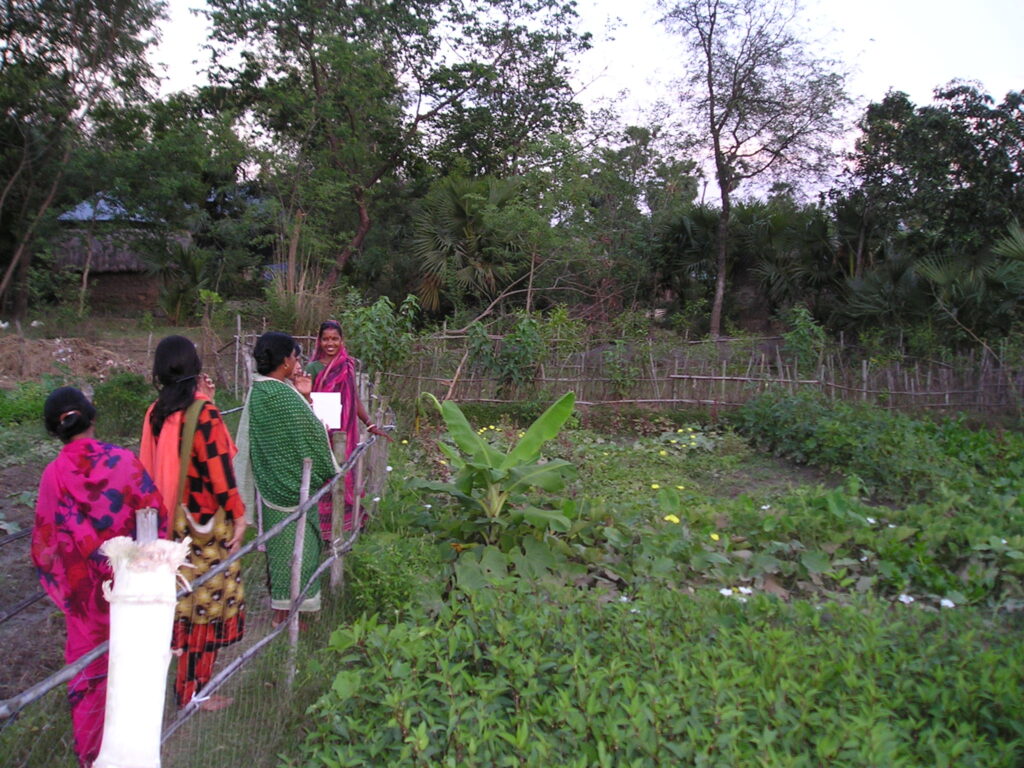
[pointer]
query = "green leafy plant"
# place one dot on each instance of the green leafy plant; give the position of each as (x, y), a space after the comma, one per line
(22, 404)
(121, 402)
(493, 488)
(390, 572)
(517, 676)
(379, 334)
(620, 367)
(512, 360)
(805, 339)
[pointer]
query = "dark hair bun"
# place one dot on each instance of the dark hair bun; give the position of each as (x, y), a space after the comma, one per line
(67, 412)
(271, 350)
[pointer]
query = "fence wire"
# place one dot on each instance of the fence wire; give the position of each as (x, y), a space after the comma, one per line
(35, 727)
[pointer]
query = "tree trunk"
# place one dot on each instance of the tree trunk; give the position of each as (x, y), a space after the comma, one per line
(721, 265)
(359, 197)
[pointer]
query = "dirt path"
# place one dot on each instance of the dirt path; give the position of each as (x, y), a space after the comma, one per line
(33, 639)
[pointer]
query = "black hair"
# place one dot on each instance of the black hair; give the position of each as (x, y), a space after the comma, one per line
(271, 350)
(176, 367)
(67, 412)
(328, 324)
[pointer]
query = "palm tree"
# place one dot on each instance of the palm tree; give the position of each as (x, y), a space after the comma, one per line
(460, 247)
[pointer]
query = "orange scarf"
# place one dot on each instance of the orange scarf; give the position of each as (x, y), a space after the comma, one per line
(161, 456)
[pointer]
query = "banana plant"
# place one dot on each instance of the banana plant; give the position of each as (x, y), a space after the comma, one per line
(493, 485)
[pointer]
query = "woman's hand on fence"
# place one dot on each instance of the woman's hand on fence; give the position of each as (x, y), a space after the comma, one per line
(236, 540)
(373, 429)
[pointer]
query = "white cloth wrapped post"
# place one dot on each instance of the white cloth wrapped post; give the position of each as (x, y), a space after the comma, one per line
(142, 604)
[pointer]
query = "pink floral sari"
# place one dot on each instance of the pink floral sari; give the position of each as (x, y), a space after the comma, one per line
(87, 495)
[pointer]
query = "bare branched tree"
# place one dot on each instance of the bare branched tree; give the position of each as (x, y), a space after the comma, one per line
(760, 98)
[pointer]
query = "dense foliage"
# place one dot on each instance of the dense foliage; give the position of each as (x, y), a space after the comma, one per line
(511, 676)
(329, 147)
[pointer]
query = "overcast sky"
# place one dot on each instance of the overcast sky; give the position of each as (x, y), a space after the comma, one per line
(910, 45)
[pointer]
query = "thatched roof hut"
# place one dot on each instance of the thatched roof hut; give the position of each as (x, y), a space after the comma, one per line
(106, 244)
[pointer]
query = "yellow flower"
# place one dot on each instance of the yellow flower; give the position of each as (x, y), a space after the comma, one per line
(715, 537)
(663, 453)
(405, 442)
(490, 426)
(673, 441)
(655, 486)
(678, 431)
(680, 487)
(522, 434)
(671, 519)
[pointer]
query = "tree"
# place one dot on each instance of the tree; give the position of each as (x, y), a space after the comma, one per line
(764, 101)
(461, 251)
(341, 95)
(948, 176)
(60, 64)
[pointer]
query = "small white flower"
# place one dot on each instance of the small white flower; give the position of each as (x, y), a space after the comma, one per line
(376, 498)
(765, 507)
(388, 468)
(428, 506)
(1003, 541)
(891, 525)
(725, 592)
(623, 598)
(746, 591)
(947, 603)
(36, 324)
(906, 599)
(634, 610)
(742, 599)
(864, 558)
(871, 520)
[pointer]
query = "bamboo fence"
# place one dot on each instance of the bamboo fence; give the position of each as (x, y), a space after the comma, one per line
(720, 374)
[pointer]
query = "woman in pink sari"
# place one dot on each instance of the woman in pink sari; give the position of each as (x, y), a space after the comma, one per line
(87, 495)
(333, 370)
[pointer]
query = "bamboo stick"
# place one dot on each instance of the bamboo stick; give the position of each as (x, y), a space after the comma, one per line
(296, 585)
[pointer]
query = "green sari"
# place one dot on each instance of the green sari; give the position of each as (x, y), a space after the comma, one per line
(278, 430)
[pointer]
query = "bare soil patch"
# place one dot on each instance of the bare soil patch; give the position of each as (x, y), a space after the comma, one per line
(23, 359)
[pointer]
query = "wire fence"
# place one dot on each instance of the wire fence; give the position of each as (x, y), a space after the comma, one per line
(270, 681)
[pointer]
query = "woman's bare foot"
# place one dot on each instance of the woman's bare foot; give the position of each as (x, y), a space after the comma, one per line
(216, 703)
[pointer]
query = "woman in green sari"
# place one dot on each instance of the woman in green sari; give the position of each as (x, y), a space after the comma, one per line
(278, 430)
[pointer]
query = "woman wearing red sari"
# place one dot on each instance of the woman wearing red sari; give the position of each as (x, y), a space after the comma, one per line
(87, 495)
(333, 370)
(203, 504)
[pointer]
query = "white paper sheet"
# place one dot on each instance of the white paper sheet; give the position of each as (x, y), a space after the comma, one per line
(327, 407)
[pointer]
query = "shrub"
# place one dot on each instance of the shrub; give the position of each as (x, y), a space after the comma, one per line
(121, 402)
(23, 404)
(390, 572)
(896, 455)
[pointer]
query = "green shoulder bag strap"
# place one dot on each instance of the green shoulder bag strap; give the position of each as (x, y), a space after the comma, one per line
(188, 434)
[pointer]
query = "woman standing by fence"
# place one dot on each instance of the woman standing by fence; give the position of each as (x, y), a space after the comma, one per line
(278, 430)
(334, 370)
(189, 451)
(87, 495)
